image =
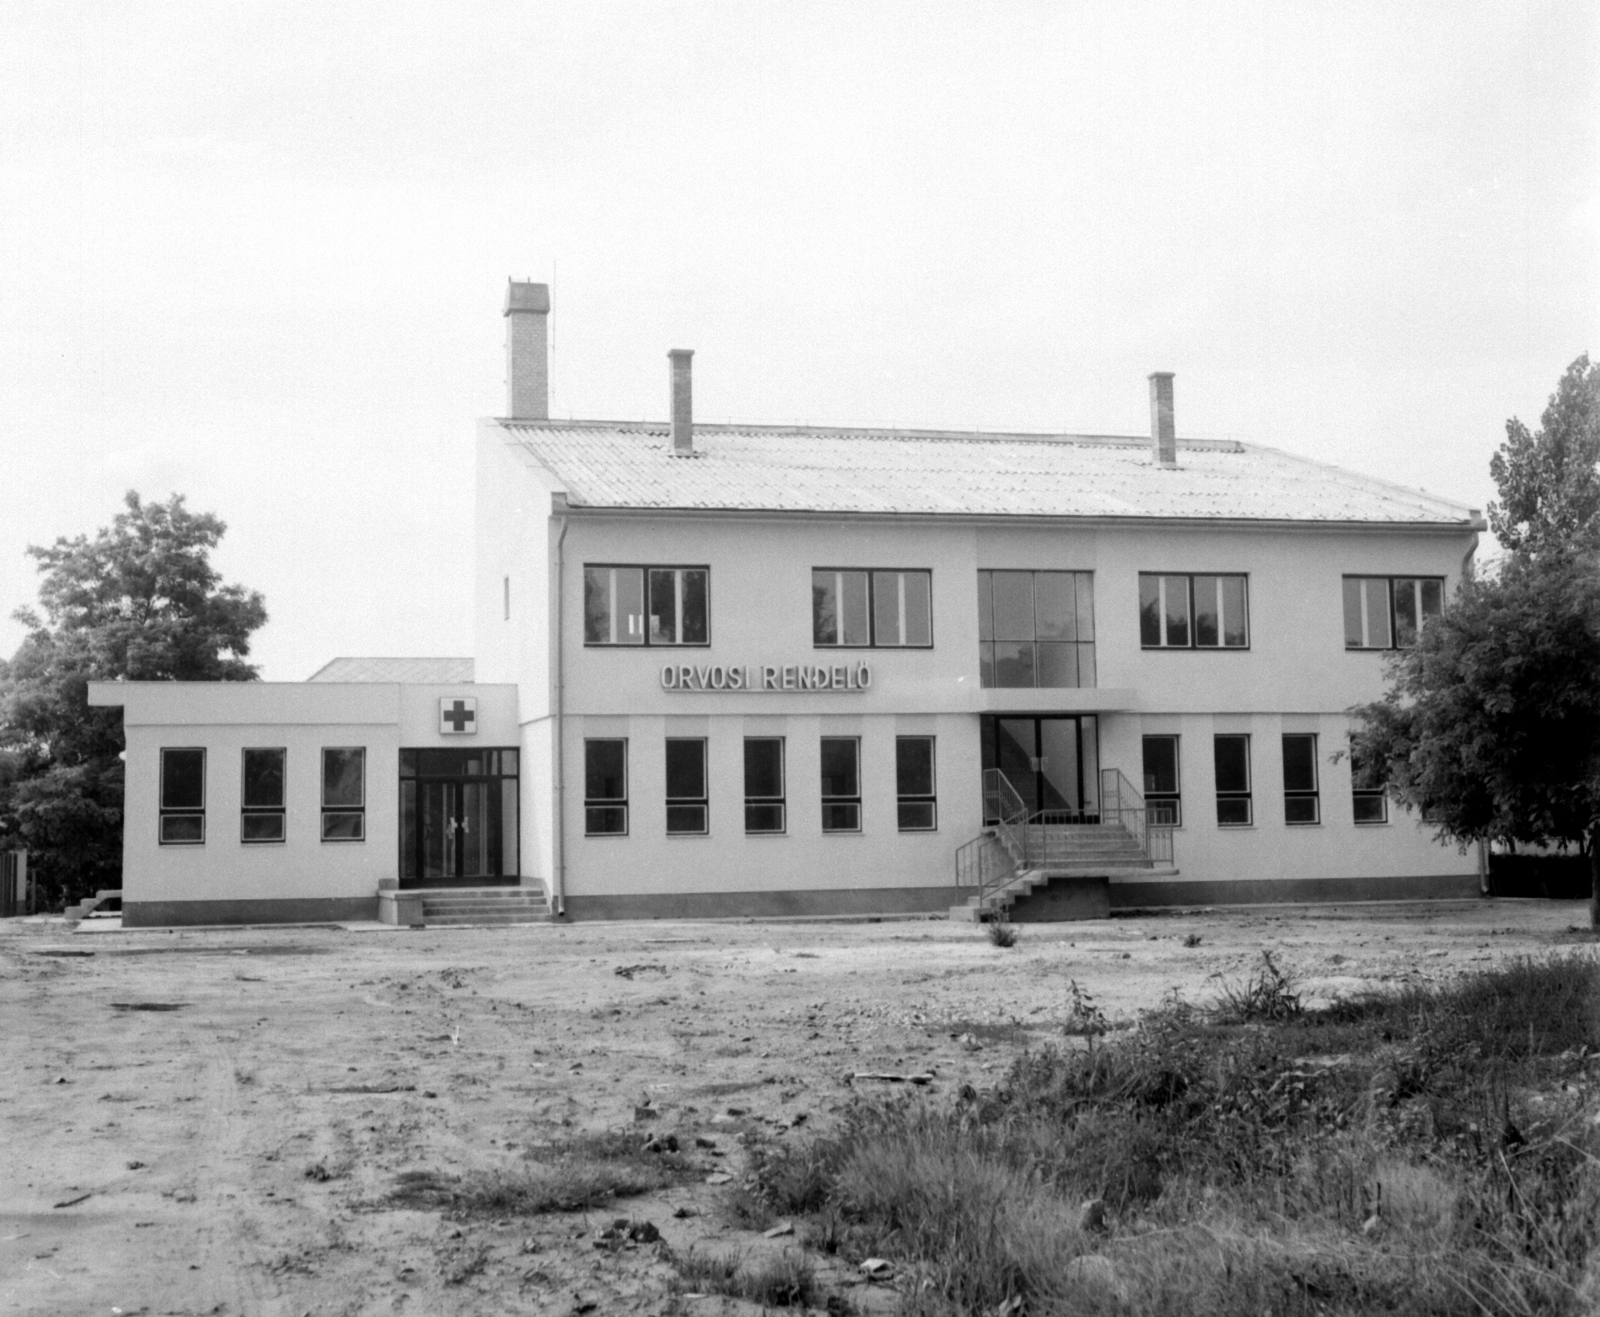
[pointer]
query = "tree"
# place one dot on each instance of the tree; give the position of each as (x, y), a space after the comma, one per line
(1491, 723)
(140, 601)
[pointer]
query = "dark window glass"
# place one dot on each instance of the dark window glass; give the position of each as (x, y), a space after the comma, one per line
(1161, 793)
(686, 786)
(763, 784)
(1042, 624)
(616, 610)
(263, 779)
(1300, 800)
(1055, 604)
(183, 779)
(344, 825)
(1353, 630)
(605, 787)
(1013, 606)
(882, 609)
(1150, 611)
(1369, 801)
(986, 606)
(344, 793)
(696, 613)
(1013, 664)
(663, 607)
(183, 829)
(913, 760)
(1389, 612)
(1232, 762)
(841, 784)
(1198, 612)
(1175, 610)
(1058, 665)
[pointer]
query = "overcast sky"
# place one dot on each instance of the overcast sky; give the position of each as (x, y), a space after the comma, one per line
(256, 253)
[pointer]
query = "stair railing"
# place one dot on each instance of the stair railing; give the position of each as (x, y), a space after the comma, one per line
(1122, 803)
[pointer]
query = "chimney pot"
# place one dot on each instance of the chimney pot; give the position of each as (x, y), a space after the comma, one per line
(1163, 430)
(682, 401)
(527, 363)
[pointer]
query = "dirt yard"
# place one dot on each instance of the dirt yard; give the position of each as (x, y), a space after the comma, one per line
(237, 1153)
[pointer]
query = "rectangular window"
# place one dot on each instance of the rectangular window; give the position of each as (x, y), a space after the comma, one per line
(1232, 758)
(763, 784)
(1369, 804)
(687, 804)
(1193, 612)
(1036, 629)
(183, 798)
(344, 794)
(913, 783)
(1388, 612)
(261, 796)
(605, 788)
(841, 784)
(1300, 801)
(645, 605)
(1162, 796)
(862, 608)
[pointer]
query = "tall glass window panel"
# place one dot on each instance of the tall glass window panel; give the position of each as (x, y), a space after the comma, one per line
(687, 805)
(605, 787)
(1370, 804)
(1366, 613)
(1162, 792)
(678, 606)
(1163, 611)
(613, 606)
(1415, 601)
(763, 784)
(261, 796)
(914, 787)
(1220, 613)
(344, 793)
(840, 612)
(841, 784)
(183, 798)
(1232, 762)
(902, 609)
(1036, 629)
(1300, 800)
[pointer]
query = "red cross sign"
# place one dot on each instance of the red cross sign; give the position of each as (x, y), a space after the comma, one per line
(457, 716)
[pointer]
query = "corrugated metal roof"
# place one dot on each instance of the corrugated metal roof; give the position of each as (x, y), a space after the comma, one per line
(418, 671)
(751, 468)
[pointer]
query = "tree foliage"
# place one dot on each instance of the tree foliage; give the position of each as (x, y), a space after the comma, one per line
(139, 601)
(1549, 482)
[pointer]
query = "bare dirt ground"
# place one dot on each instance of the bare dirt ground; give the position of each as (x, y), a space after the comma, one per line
(236, 1155)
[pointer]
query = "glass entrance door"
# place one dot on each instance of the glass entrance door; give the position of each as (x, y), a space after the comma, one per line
(458, 817)
(1054, 763)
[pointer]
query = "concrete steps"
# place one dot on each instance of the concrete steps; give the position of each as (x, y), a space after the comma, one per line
(461, 907)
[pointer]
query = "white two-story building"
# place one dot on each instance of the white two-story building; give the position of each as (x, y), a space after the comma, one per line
(726, 670)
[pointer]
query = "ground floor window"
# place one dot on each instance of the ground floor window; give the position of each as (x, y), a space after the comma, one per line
(913, 783)
(841, 784)
(1300, 800)
(687, 804)
(763, 784)
(605, 787)
(1232, 757)
(1162, 795)
(261, 815)
(1370, 805)
(183, 797)
(344, 794)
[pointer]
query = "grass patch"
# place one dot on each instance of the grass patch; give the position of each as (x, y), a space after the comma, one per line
(1429, 1151)
(782, 1280)
(1002, 932)
(572, 1175)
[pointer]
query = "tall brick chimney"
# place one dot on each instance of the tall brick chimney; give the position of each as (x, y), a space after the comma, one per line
(527, 363)
(1163, 430)
(682, 402)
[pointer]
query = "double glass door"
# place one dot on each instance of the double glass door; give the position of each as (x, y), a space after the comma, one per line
(458, 817)
(1052, 762)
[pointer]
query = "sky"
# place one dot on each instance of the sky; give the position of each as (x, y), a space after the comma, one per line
(256, 253)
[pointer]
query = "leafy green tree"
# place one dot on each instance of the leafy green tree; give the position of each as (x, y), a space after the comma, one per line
(1491, 724)
(141, 602)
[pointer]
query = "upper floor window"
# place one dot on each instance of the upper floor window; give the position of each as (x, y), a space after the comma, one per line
(183, 797)
(261, 796)
(1036, 629)
(884, 609)
(645, 605)
(1193, 612)
(1387, 612)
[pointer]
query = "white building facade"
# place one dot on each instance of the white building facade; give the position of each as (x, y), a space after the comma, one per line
(763, 671)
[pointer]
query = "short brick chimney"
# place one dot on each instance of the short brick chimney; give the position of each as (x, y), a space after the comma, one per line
(527, 361)
(682, 402)
(1163, 430)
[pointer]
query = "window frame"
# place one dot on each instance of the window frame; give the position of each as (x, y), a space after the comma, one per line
(837, 800)
(1173, 797)
(645, 569)
(1391, 609)
(1359, 794)
(1313, 794)
(592, 804)
(165, 811)
(247, 811)
(779, 801)
(913, 799)
(872, 573)
(988, 641)
(1191, 613)
(1247, 795)
(341, 809)
(702, 802)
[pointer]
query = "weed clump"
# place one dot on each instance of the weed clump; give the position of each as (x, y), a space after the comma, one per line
(786, 1280)
(1002, 932)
